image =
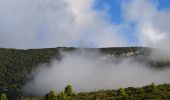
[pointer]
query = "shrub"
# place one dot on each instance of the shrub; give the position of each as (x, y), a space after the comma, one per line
(68, 90)
(62, 96)
(121, 92)
(3, 97)
(51, 96)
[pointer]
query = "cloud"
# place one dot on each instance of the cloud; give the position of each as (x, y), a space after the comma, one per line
(151, 23)
(68, 23)
(89, 71)
(51, 23)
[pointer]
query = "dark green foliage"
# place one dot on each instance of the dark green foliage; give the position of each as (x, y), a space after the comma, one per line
(16, 65)
(66, 95)
(143, 93)
(121, 92)
(62, 96)
(154, 87)
(68, 90)
(51, 96)
(118, 51)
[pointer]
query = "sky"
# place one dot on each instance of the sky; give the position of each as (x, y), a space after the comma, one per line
(115, 10)
(84, 23)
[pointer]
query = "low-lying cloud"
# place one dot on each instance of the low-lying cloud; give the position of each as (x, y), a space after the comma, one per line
(89, 71)
(57, 23)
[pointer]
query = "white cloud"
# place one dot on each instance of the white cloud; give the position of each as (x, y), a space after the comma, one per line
(51, 23)
(152, 24)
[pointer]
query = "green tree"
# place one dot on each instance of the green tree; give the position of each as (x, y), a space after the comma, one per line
(154, 87)
(3, 97)
(51, 96)
(62, 96)
(68, 90)
(121, 92)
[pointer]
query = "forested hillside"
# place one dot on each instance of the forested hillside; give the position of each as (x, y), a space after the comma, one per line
(16, 65)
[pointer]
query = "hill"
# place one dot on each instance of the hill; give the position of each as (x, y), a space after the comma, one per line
(16, 65)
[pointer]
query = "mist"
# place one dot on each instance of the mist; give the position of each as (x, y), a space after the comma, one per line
(89, 71)
(58, 23)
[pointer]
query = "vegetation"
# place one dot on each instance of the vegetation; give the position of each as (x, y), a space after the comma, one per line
(121, 92)
(3, 97)
(62, 96)
(149, 92)
(16, 65)
(66, 95)
(51, 96)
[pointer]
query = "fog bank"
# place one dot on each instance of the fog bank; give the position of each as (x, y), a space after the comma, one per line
(89, 71)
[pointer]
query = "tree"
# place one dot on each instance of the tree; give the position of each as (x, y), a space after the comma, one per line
(3, 97)
(154, 87)
(62, 96)
(68, 90)
(121, 92)
(51, 96)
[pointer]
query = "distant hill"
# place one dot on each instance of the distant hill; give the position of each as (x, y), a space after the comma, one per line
(16, 65)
